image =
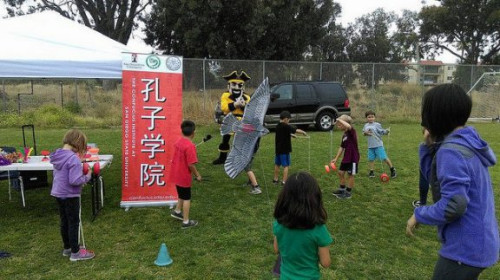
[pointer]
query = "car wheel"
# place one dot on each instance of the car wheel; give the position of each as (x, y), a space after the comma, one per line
(324, 121)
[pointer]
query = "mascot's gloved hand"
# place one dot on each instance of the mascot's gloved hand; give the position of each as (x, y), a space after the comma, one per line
(240, 102)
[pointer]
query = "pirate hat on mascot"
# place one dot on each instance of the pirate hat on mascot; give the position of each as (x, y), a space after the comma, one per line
(235, 77)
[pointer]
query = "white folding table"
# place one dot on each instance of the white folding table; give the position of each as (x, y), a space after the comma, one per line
(36, 163)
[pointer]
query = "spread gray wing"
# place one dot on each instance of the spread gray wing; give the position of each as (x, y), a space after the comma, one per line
(241, 152)
(259, 101)
(248, 130)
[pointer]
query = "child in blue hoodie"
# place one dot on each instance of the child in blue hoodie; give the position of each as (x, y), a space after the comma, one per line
(67, 185)
(455, 160)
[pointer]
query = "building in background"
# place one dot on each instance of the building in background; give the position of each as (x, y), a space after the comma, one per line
(431, 72)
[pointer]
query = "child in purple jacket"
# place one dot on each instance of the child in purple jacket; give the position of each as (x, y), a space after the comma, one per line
(455, 160)
(67, 186)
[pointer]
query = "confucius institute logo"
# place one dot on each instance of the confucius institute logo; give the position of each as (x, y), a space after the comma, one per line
(153, 61)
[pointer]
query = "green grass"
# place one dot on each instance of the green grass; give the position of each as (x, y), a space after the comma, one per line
(234, 238)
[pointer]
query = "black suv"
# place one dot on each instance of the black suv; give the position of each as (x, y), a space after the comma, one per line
(308, 102)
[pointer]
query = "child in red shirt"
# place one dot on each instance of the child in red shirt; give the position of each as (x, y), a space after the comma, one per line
(182, 170)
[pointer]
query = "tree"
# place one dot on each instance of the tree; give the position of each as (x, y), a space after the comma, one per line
(115, 19)
(331, 47)
(238, 29)
(293, 27)
(370, 41)
(406, 38)
(471, 27)
(211, 29)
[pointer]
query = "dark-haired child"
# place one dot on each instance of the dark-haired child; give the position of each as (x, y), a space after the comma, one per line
(349, 165)
(455, 160)
(300, 234)
(283, 146)
(374, 131)
(67, 186)
(182, 171)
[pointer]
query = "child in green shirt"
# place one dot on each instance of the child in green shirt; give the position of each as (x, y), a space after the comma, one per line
(300, 235)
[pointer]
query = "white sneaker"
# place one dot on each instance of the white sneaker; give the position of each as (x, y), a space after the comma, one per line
(255, 190)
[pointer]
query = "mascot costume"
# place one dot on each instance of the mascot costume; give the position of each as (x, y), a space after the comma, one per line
(247, 130)
(232, 101)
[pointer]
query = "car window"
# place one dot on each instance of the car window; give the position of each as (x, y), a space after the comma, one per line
(304, 92)
(285, 92)
(329, 90)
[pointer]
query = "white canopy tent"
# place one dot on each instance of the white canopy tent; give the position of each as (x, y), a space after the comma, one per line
(48, 45)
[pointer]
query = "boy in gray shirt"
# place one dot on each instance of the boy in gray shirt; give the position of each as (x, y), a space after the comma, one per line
(374, 131)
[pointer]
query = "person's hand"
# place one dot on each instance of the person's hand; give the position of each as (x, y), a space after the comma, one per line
(305, 134)
(333, 160)
(88, 175)
(388, 130)
(293, 135)
(411, 225)
(198, 178)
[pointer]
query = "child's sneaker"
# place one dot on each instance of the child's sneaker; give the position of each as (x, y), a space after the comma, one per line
(371, 174)
(255, 190)
(82, 255)
(345, 195)
(275, 181)
(417, 203)
(339, 192)
(190, 223)
(66, 252)
(393, 172)
(176, 215)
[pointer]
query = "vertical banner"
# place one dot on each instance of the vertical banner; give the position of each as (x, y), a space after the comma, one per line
(152, 114)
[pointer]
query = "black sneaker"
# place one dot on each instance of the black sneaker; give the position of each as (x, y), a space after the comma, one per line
(176, 215)
(339, 192)
(191, 223)
(371, 174)
(345, 195)
(275, 182)
(393, 172)
(417, 203)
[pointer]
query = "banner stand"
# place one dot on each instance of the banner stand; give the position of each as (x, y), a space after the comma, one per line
(151, 120)
(131, 204)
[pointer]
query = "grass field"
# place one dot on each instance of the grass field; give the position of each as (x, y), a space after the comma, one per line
(234, 237)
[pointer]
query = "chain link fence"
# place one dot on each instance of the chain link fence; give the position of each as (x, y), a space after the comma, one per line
(394, 91)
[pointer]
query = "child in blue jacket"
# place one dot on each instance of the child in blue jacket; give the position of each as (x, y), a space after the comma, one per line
(455, 161)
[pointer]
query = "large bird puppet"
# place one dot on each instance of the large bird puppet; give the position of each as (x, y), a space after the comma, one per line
(247, 130)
